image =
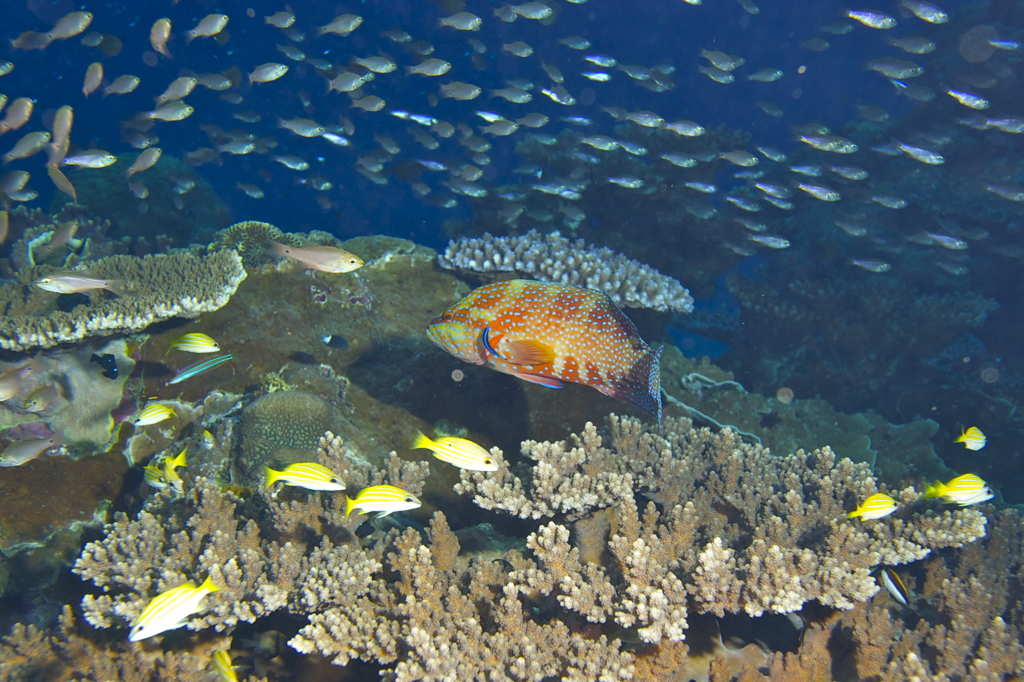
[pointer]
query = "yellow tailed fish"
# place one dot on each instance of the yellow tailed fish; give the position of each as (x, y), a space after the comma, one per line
(154, 414)
(165, 475)
(222, 664)
(169, 610)
(875, 507)
(306, 475)
(972, 438)
(196, 343)
(154, 476)
(383, 499)
(964, 490)
(463, 453)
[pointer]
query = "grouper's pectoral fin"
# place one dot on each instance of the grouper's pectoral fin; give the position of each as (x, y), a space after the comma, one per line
(530, 353)
(538, 379)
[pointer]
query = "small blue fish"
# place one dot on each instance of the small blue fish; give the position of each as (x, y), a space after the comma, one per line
(197, 368)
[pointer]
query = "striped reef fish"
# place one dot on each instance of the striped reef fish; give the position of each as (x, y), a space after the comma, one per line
(154, 414)
(965, 490)
(169, 610)
(309, 475)
(166, 475)
(196, 343)
(874, 507)
(383, 499)
(222, 664)
(547, 333)
(463, 453)
(972, 438)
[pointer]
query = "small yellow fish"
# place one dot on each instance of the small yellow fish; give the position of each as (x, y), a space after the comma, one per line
(165, 475)
(972, 438)
(196, 343)
(307, 475)
(964, 490)
(322, 258)
(154, 414)
(173, 477)
(875, 507)
(222, 664)
(169, 610)
(154, 476)
(383, 499)
(463, 453)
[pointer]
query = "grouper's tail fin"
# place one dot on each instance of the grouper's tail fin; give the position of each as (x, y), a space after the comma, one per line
(643, 386)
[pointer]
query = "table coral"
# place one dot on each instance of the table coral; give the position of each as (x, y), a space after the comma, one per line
(156, 288)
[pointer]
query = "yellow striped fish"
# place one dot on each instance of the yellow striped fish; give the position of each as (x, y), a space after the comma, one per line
(309, 475)
(169, 610)
(972, 438)
(222, 664)
(875, 507)
(196, 343)
(463, 453)
(154, 414)
(964, 490)
(165, 476)
(383, 499)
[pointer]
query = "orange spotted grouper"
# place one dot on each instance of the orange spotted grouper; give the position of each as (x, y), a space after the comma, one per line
(548, 333)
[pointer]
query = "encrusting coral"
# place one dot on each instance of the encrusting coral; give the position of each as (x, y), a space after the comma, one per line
(155, 288)
(553, 258)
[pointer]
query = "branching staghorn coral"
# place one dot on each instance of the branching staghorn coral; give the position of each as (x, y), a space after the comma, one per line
(730, 529)
(553, 258)
(742, 530)
(438, 623)
(72, 652)
(254, 550)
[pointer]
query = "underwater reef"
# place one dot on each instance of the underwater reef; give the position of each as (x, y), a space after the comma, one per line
(629, 550)
(599, 589)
